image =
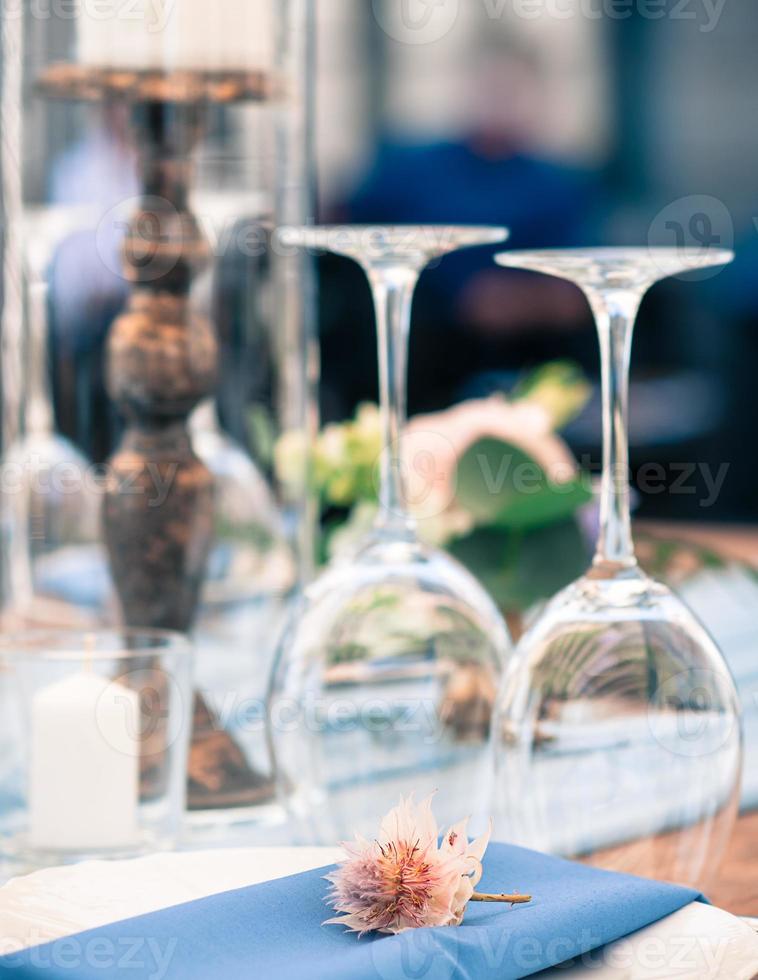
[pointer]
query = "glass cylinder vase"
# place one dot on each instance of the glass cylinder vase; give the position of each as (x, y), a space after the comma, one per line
(156, 344)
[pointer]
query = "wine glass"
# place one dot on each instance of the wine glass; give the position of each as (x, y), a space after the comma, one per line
(617, 727)
(251, 560)
(387, 673)
(61, 575)
(58, 574)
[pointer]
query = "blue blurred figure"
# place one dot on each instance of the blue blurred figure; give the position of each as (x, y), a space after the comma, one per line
(469, 314)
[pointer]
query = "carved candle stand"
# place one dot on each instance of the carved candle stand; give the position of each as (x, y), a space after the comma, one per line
(162, 362)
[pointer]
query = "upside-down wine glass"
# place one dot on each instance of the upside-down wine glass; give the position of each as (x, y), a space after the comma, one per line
(618, 728)
(387, 674)
(57, 576)
(59, 570)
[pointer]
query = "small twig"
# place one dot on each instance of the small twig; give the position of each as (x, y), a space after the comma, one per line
(507, 899)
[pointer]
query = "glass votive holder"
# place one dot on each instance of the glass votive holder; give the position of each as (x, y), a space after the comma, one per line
(94, 735)
(230, 734)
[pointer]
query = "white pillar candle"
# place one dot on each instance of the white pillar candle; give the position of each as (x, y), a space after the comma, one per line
(84, 765)
(212, 35)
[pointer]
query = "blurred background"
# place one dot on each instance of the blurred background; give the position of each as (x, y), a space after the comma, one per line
(573, 122)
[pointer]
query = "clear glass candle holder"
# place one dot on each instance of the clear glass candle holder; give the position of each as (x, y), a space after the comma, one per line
(158, 359)
(94, 734)
(230, 685)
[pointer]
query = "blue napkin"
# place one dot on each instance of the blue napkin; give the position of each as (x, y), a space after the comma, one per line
(274, 930)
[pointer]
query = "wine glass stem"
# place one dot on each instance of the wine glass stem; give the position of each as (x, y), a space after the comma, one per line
(39, 415)
(615, 314)
(393, 289)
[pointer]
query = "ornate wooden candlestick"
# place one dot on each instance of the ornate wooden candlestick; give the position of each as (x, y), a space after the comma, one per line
(162, 361)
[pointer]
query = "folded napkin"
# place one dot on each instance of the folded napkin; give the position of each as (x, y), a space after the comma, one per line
(275, 929)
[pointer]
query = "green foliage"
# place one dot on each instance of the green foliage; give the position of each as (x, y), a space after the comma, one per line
(503, 486)
(559, 387)
(521, 568)
(261, 433)
(346, 459)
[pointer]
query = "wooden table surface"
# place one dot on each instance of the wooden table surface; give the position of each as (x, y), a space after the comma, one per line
(736, 889)
(736, 542)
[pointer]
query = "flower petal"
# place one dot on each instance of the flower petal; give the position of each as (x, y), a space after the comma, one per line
(455, 840)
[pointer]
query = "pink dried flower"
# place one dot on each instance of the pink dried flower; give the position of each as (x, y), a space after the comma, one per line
(404, 879)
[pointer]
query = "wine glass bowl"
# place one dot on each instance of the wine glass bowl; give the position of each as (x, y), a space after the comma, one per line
(394, 661)
(618, 733)
(618, 726)
(59, 574)
(387, 674)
